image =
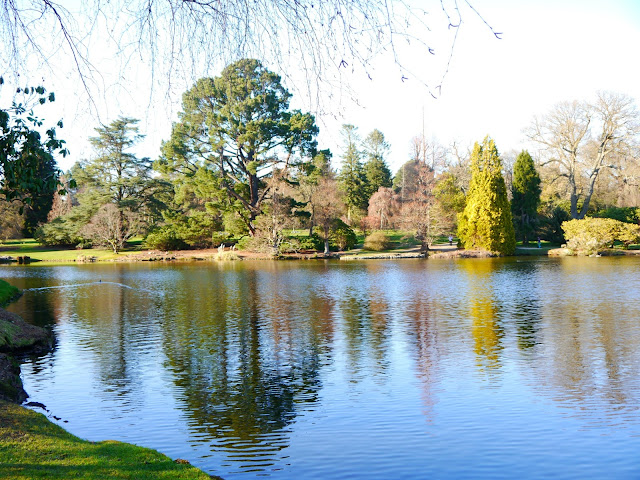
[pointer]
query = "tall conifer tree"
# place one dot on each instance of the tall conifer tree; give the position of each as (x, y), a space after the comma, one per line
(486, 222)
(376, 169)
(526, 195)
(352, 178)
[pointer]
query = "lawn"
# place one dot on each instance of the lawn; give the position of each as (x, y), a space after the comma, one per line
(30, 248)
(32, 447)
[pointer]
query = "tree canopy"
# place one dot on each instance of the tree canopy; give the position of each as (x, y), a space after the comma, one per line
(27, 165)
(352, 178)
(234, 131)
(375, 168)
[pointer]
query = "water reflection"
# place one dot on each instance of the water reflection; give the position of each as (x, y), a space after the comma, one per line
(484, 312)
(251, 366)
(243, 368)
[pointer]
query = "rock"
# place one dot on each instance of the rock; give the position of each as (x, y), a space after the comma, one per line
(16, 335)
(10, 383)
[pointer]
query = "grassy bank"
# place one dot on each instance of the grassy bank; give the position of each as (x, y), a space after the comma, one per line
(31, 447)
(7, 293)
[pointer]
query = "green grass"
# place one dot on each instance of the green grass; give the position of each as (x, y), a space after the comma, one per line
(7, 293)
(31, 447)
(30, 248)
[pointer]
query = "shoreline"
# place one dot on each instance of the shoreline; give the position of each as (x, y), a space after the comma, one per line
(215, 254)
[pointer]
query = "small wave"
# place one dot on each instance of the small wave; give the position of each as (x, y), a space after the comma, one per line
(74, 285)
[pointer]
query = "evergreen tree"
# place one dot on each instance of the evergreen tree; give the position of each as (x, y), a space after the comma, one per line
(450, 198)
(405, 181)
(526, 195)
(486, 221)
(352, 179)
(234, 131)
(117, 178)
(37, 210)
(375, 168)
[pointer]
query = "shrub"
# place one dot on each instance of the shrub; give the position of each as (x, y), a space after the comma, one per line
(58, 232)
(219, 238)
(377, 242)
(342, 235)
(312, 242)
(551, 219)
(227, 256)
(198, 230)
(592, 235)
(164, 238)
(623, 214)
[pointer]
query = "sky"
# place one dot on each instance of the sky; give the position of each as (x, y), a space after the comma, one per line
(549, 51)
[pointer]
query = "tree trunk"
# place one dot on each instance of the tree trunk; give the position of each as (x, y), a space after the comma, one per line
(327, 251)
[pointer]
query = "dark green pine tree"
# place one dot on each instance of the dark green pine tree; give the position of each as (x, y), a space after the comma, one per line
(352, 179)
(376, 169)
(526, 196)
(486, 221)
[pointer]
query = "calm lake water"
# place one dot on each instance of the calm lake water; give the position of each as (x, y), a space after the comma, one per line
(479, 368)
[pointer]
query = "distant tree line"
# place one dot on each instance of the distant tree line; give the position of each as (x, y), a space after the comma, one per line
(242, 167)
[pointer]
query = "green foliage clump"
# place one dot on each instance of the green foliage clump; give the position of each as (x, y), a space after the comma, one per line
(551, 217)
(342, 235)
(592, 235)
(164, 238)
(486, 221)
(28, 170)
(197, 230)
(310, 242)
(62, 231)
(623, 214)
(449, 194)
(377, 242)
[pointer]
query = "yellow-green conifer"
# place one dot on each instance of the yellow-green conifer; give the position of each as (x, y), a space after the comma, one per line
(486, 222)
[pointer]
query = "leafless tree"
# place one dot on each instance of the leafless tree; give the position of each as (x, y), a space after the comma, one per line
(384, 205)
(420, 211)
(432, 153)
(62, 204)
(327, 206)
(112, 227)
(582, 139)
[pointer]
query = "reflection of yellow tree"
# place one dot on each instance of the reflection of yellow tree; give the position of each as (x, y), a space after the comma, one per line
(484, 311)
(486, 331)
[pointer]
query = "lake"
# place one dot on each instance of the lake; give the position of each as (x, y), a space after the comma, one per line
(472, 368)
